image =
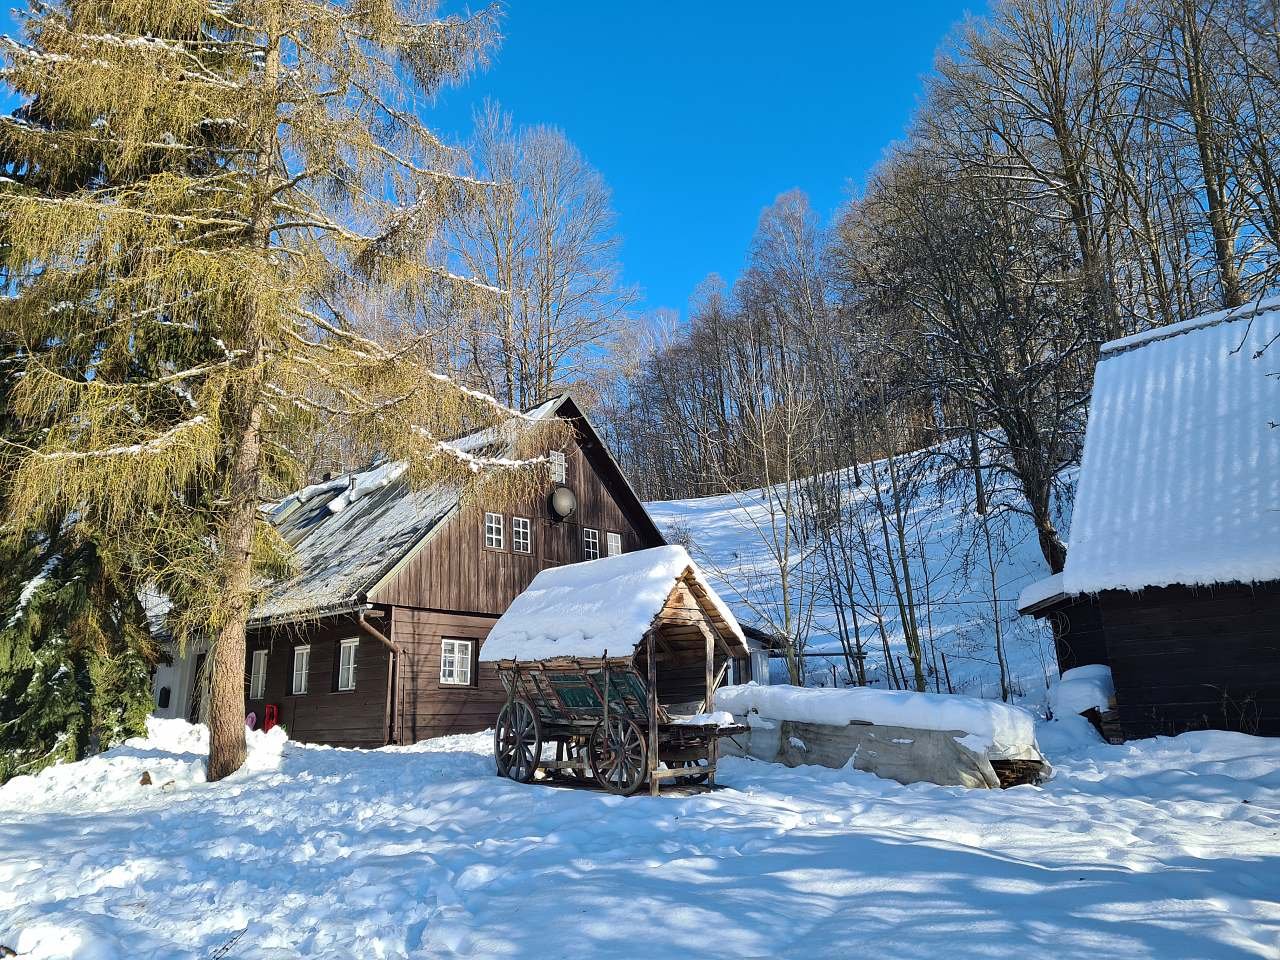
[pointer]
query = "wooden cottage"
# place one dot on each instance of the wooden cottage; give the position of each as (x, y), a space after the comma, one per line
(377, 638)
(1173, 569)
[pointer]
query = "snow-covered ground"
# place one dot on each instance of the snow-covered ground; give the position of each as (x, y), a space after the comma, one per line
(948, 567)
(1166, 848)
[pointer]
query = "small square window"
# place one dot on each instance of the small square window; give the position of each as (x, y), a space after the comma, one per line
(615, 544)
(301, 667)
(590, 544)
(559, 469)
(455, 662)
(493, 532)
(258, 675)
(521, 539)
(347, 663)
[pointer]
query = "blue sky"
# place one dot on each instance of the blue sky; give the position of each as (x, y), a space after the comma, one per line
(699, 113)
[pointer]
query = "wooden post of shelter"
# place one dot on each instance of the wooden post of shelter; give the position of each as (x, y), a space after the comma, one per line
(651, 651)
(711, 699)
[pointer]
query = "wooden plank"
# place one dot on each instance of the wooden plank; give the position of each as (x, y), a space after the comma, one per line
(651, 653)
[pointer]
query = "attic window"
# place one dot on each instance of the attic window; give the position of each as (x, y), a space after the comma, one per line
(521, 541)
(493, 531)
(558, 467)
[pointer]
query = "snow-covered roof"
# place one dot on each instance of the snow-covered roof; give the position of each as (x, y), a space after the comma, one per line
(1179, 478)
(1038, 591)
(346, 535)
(349, 532)
(597, 607)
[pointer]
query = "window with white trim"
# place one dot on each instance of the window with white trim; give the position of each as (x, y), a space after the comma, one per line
(493, 533)
(590, 544)
(614, 541)
(258, 675)
(455, 662)
(301, 667)
(559, 468)
(521, 535)
(347, 663)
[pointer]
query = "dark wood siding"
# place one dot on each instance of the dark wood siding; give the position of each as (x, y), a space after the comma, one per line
(1185, 659)
(348, 718)
(454, 571)
(1077, 633)
(428, 708)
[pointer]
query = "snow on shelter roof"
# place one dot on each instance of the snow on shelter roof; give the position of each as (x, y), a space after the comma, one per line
(349, 532)
(1180, 478)
(597, 607)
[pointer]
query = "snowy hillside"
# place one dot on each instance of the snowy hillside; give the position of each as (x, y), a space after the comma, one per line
(948, 564)
(1153, 849)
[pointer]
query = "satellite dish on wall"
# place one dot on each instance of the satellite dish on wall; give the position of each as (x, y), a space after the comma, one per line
(563, 503)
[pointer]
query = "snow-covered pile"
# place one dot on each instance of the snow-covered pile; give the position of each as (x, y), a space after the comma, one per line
(1083, 688)
(1002, 730)
(1178, 477)
(1139, 851)
(588, 609)
(172, 753)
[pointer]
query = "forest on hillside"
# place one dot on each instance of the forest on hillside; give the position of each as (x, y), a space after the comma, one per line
(236, 256)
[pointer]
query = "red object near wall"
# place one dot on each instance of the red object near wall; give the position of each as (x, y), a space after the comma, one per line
(270, 716)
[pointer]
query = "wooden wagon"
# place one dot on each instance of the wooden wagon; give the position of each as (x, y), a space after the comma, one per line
(643, 715)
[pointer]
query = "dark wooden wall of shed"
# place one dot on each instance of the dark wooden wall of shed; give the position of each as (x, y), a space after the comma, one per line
(1186, 659)
(428, 708)
(456, 572)
(1078, 636)
(324, 714)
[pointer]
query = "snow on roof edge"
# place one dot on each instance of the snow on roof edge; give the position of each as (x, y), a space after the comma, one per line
(1170, 330)
(587, 609)
(1038, 591)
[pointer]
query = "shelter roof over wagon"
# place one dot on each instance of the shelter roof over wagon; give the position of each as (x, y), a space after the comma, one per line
(1178, 479)
(606, 606)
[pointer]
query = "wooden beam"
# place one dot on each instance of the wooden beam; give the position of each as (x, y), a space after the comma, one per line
(651, 647)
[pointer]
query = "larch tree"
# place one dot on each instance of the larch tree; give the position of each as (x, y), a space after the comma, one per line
(268, 195)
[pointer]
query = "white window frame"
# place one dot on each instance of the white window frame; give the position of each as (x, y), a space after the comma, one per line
(300, 681)
(455, 662)
(613, 543)
(258, 675)
(347, 663)
(590, 543)
(559, 466)
(495, 531)
(521, 535)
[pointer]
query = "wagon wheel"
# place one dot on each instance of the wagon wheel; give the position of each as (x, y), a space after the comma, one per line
(619, 756)
(697, 770)
(517, 741)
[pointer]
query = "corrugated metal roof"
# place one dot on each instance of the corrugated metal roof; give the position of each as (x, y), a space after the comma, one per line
(341, 554)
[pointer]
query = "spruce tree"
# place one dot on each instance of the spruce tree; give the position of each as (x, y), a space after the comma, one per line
(75, 652)
(268, 196)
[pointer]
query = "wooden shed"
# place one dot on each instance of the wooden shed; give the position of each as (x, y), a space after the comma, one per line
(618, 656)
(1173, 569)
